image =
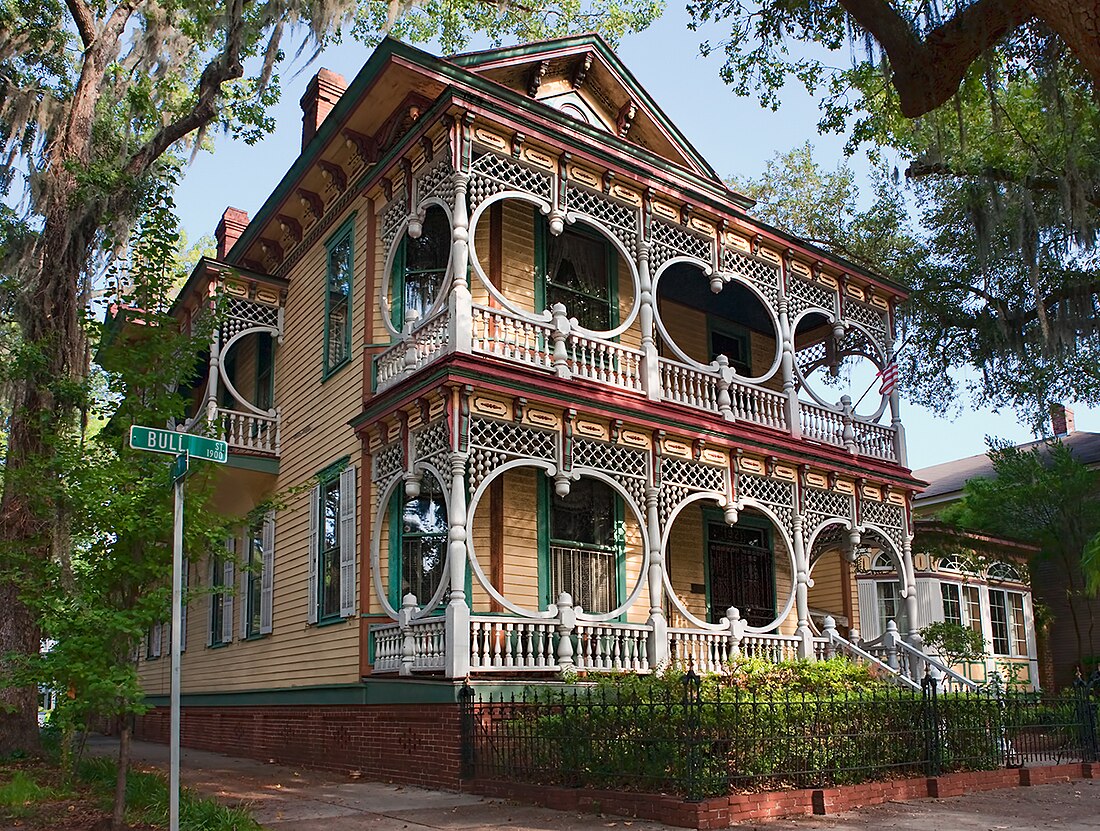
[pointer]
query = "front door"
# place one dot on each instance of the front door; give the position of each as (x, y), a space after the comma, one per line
(741, 572)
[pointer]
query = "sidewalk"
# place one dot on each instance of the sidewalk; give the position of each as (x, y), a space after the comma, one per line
(288, 799)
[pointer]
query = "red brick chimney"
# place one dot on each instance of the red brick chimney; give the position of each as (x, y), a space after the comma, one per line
(1061, 419)
(320, 97)
(229, 230)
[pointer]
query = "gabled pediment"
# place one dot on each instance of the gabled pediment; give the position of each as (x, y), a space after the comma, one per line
(582, 77)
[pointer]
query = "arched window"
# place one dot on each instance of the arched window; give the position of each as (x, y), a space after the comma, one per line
(1001, 570)
(418, 546)
(882, 562)
(420, 267)
(953, 563)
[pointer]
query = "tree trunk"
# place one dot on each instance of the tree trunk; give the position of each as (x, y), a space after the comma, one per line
(118, 817)
(18, 705)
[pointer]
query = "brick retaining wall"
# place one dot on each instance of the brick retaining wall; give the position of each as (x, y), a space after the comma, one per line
(721, 812)
(418, 745)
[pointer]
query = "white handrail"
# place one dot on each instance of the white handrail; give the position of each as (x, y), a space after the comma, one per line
(945, 671)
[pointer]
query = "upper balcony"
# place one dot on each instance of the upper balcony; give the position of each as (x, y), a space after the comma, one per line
(606, 284)
(233, 394)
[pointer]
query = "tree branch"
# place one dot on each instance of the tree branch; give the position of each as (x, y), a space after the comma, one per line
(927, 72)
(84, 20)
(918, 170)
(224, 68)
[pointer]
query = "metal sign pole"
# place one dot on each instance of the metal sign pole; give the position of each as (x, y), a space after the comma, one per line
(178, 471)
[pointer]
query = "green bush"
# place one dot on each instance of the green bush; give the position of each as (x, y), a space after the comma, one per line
(762, 726)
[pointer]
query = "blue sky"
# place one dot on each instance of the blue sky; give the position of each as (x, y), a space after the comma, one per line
(735, 134)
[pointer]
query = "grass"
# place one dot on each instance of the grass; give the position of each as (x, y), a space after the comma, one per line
(21, 793)
(147, 801)
(34, 795)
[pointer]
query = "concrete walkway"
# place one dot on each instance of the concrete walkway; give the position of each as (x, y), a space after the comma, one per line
(289, 799)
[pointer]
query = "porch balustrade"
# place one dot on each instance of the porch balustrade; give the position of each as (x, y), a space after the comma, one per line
(554, 346)
(500, 644)
(249, 433)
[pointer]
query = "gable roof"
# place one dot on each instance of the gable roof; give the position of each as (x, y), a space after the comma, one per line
(506, 65)
(946, 480)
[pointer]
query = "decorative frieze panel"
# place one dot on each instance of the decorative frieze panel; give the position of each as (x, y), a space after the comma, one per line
(774, 494)
(681, 477)
(627, 465)
(387, 461)
(620, 219)
(763, 275)
(822, 506)
(432, 445)
(243, 314)
(393, 216)
(436, 181)
(885, 515)
(490, 174)
(671, 241)
(804, 294)
(494, 442)
(870, 317)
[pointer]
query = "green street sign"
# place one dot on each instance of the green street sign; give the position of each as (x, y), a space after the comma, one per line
(169, 441)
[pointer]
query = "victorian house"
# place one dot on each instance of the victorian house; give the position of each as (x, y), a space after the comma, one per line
(537, 396)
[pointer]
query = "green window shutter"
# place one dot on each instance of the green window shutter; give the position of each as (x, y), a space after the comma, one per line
(314, 553)
(347, 541)
(267, 577)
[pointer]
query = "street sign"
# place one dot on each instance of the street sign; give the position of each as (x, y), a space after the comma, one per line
(169, 441)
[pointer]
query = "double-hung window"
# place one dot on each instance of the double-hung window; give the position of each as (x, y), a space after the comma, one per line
(420, 269)
(339, 270)
(221, 594)
(419, 548)
(257, 580)
(891, 605)
(1006, 616)
(951, 594)
(585, 546)
(973, 599)
(332, 545)
(577, 270)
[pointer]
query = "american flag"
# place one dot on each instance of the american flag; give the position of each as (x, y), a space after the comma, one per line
(889, 376)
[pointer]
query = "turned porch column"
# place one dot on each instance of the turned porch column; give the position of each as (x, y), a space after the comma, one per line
(658, 645)
(801, 590)
(457, 631)
(651, 370)
(912, 637)
(786, 365)
(900, 453)
(460, 302)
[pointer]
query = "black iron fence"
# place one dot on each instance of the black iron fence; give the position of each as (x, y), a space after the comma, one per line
(700, 740)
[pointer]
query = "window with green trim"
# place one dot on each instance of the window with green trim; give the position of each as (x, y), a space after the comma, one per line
(585, 545)
(253, 579)
(328, 551)
(338, 299)
(420, 268)
(418, 549)
(578, 271)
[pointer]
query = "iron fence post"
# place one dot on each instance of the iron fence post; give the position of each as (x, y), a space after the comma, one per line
(931, 724)
(466, 729)
(1086, 716)
(692, 702)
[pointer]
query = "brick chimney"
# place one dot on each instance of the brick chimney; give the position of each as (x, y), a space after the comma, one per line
(320, 97)
(1061, 419)
(229, 230)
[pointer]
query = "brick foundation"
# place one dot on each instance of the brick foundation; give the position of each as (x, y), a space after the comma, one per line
(389, 742)
(722, 812)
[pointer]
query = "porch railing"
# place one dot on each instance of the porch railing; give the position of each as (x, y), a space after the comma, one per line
(557, 346)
